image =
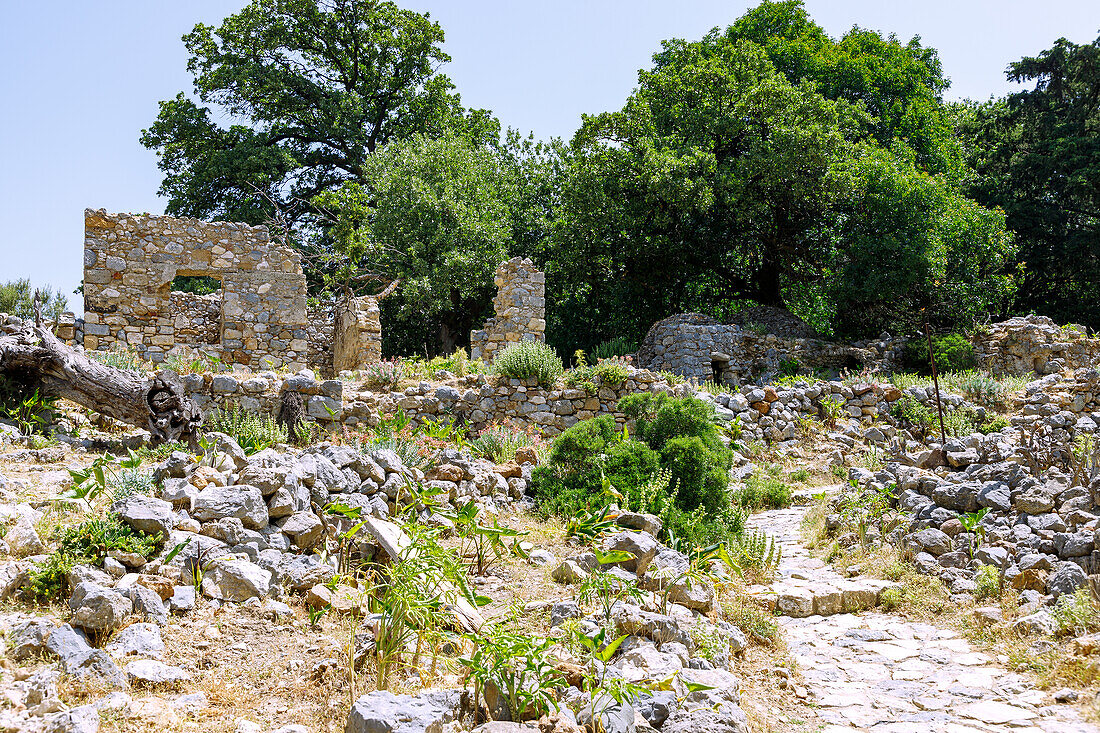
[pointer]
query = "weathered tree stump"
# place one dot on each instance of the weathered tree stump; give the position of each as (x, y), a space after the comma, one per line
(32, 354)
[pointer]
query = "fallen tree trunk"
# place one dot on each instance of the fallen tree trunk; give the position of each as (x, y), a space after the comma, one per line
(33, 355)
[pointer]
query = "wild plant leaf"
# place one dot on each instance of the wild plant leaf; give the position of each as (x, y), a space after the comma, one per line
(612, 556)
(175, 551)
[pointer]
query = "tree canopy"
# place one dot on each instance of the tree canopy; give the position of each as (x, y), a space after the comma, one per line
(765, 163)
(1037, 156)
(769, 164)
(312, 87)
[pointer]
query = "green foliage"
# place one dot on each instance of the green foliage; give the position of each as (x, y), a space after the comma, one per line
(86, 543)
(1036, 156)
(953, 352)
(613, 347)
(910, 411)
(499, 442)
(683, 432)
(789, 367)
(606, 590)
(458, 363)
(17, 299)
(754, 621)
(580, 460)
(30, 410)
(764, 490)
(988, 580)
(410, 595)
(312, 90)
(605, 373)
(386, 373)
(1077, 613)
(518, 666)
(253, 432)
(832, 409)
(195, 284)
(119, 476)
(756, 552)
(529, 360)
(589, 525)
(434, 213)
(482, 544)
(122, 356)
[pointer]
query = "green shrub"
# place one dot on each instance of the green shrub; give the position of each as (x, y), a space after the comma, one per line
(700, 476)
(618, 346)
(26, 406)
(253, 432)
(529, 360)
(1077, 612)
(789, 367)
(683, 432)
(910, 411)
(608, 372)
(953, 352)
(86, 543)
(988, 580)
(579, 459)
(764, 490)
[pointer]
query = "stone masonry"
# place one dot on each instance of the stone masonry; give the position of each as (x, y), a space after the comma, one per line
(131, 260)
(358, 333)
(1034, 344)
(520, 308)
(699, 347)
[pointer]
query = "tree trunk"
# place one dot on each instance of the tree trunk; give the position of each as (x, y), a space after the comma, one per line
(155, 403)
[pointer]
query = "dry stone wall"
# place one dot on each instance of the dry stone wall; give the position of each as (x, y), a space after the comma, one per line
(131, 260)
(699, 347)
(1034, 344)
(520, 307)
(358, 334)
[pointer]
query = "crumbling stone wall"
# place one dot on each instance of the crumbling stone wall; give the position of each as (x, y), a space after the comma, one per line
(196, 318)
(1034, 344)
(358, 335)
(131, 260)
(699, 347)
(520, 307)
(319, 336)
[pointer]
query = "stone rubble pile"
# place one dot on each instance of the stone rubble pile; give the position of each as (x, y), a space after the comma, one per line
(246, 529)
(661, 644)
(1034, 344)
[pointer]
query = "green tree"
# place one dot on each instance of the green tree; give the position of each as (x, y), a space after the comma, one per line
(313, 88)
(709, 185)
(438, 214)
(900, 85)
(770, 164)
(916, 248)
(1037, 154)
(17, 299)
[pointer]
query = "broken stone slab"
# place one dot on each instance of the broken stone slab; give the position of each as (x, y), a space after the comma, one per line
(98, 609)
(384, 712)
(153, 673)
(145, 514)
(234, 579)
(241, 501)
(140, 640)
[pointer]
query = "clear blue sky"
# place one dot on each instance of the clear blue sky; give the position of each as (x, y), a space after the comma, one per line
(81, 78)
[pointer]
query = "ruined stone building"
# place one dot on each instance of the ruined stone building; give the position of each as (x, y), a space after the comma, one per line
(258, 317)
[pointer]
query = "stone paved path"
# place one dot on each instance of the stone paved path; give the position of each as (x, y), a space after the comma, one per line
(872, 671)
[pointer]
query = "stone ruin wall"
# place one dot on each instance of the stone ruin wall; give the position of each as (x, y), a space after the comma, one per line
(1034, 344)
(697, 346)
(358, 333)
(131, 260)
(520, 307)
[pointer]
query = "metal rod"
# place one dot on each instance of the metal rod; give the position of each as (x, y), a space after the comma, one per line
(936, 381)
